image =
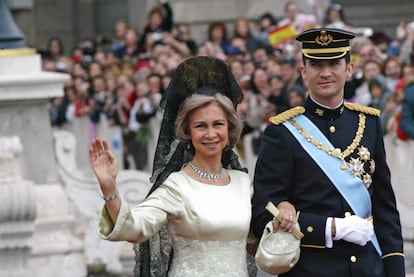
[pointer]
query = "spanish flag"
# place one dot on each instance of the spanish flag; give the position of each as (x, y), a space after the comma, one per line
(281, 34)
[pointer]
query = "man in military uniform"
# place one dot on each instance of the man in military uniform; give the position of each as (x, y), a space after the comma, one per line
(327, 159)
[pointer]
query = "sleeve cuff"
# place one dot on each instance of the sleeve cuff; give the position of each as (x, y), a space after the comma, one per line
(106, 228)
(328, 233)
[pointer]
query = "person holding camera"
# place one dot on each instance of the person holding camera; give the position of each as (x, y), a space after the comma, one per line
(160, 19)
(130, 48)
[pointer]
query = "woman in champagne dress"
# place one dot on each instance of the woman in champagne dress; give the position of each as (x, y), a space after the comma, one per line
(201, 194)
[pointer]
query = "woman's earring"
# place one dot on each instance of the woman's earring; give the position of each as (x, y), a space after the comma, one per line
(188, 146)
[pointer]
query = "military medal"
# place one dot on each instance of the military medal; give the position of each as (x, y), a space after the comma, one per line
(371, 167)
(364, 154)
(357, 167)
(367, 180)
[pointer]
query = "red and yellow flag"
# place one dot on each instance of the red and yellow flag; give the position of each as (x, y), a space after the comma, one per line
(281, 34)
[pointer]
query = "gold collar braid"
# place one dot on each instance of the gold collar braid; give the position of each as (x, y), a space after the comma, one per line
(337, 151)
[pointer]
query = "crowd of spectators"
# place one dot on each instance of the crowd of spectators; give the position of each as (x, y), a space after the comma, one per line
(121, 81)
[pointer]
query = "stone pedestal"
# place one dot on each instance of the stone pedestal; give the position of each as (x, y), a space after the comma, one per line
(24, 94)
(46, 244)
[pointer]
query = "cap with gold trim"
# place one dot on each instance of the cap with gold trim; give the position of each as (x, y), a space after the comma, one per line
(325, 43)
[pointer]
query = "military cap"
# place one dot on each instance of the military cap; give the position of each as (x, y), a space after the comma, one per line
(325, 43)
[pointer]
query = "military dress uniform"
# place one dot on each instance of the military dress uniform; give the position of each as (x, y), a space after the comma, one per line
(286, 172)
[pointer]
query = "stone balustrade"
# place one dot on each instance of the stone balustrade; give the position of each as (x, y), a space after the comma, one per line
(17, 213)
(83, 192)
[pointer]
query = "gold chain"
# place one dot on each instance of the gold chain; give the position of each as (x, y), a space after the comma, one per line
(335, 152)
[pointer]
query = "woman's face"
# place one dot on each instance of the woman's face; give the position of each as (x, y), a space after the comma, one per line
(334, 16)
(78, 70)
(242, 28)
(260, 77)
(217, 33)
(272, 67)
(142, 89)
(276, 84)
(54, 47)
(131, 37)
(295, 99)
(393, 70)
(237, 69)
(95, 70)
(121, 29)
(248, 68)
(154, 83)
(376, 92)
(99, 85)
(399, 96)
(209, 130)
(155, 19)
(371, 69)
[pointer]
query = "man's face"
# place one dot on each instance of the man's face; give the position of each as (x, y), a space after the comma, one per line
(292, 11)
(287, 72)
(260, 55)
(325, 79)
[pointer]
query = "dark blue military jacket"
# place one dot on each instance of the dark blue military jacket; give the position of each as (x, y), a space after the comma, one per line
(284, 171)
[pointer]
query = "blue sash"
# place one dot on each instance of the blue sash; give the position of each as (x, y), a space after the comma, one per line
(351, 187)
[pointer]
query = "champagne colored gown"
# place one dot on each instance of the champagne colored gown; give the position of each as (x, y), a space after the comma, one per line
(208, 224)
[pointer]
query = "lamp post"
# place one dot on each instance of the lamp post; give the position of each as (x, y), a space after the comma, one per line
(10, 34)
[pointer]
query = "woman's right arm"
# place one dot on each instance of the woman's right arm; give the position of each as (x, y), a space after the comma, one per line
(105, 167)
(144, 220)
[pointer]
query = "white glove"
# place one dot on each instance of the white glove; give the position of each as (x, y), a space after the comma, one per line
(353, 229)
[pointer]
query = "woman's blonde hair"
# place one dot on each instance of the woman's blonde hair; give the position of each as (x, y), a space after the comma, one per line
(195, 101)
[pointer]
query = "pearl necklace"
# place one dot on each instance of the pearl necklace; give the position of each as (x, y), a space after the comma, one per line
(209, 176)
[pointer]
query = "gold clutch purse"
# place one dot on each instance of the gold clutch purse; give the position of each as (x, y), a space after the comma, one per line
(278, 252)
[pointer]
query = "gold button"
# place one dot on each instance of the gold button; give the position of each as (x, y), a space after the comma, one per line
(332, 129)
(353, 259)
(309, 229)
(348, 214)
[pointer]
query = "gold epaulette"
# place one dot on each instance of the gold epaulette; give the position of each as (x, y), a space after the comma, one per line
(286, 115)
(362, 109)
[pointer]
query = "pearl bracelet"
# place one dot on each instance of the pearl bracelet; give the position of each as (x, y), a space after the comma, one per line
(110, 197)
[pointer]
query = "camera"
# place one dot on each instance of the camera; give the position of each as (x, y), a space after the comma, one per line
(87, 48)
(157, 36)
